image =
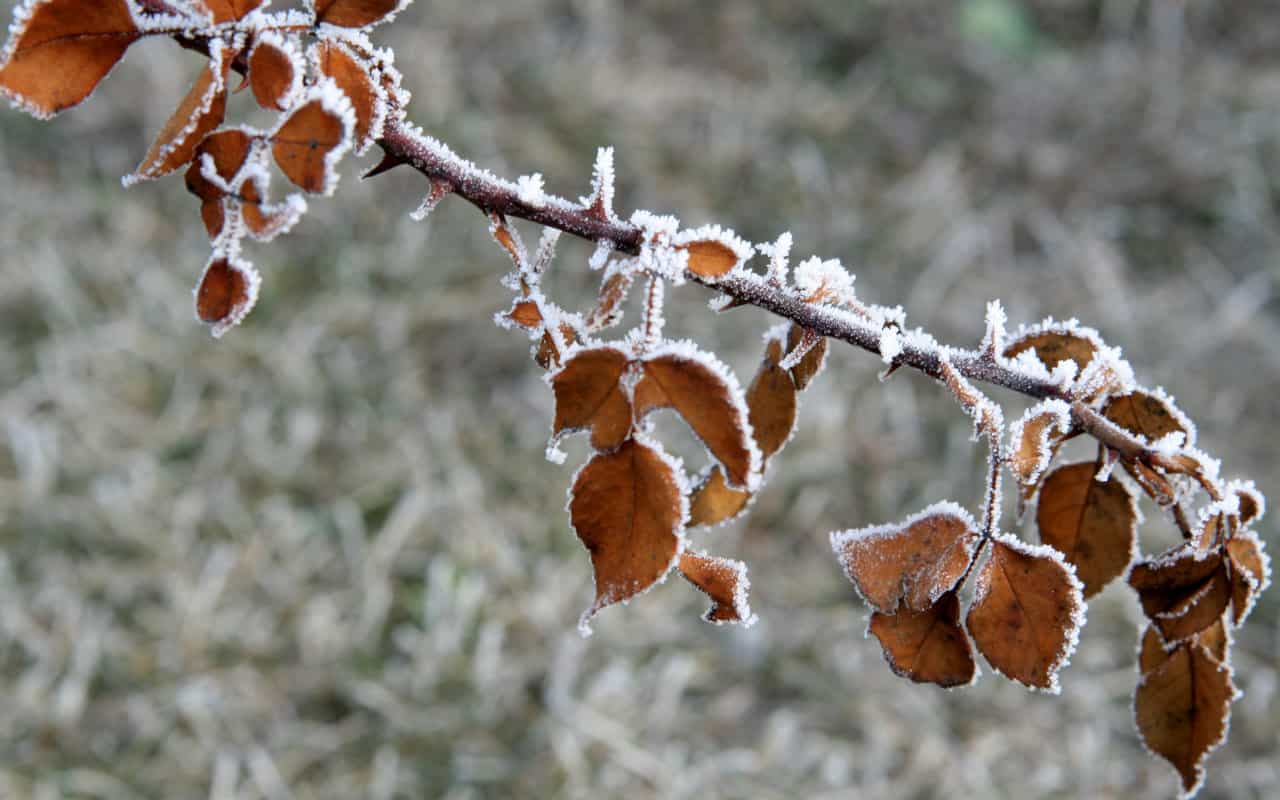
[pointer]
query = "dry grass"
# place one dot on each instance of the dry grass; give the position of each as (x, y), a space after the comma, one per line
(325, 558)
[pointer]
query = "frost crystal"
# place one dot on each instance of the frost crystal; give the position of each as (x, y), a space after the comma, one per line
(600, 256)
(779, 254)
(993, 339)
(824, 281)
(530, 190)
(890, 345)
(601, 198)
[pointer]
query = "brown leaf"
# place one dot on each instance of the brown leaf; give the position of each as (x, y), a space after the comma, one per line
(1182, 591)
(59, 50)
(229, 10)
(1251, 503)
(1181, 708)
(702, 391)
(613, 292)
(229, 150)
(1035, 438)
(912, 563)
(589, 395)
(525, 313)
(1250, 573)
(1094, 525)
(714, 502)
(227, 291)
(627, 509)
(200, 112)
(273, 72)
(311, 140)
(771, 403)
(1149, 415)
(724, 581)
(810, 366)
(927, 646)
(1055, 345)
(710, 258)
(356, 80)
(1026, 613)
(1155, 652)
(355, 13)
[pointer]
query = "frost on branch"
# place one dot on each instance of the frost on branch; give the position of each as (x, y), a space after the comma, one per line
(628, 508)
(912, 563)
(1094, 524)
(1027, 612)
(927, 646)
(822, 281)
(59, 50)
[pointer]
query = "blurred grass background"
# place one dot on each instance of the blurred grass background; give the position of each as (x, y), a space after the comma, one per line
(325, 558)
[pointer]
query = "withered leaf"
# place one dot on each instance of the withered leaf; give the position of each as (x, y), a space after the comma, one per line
(1155, 651)
(356, 80)
(608, 311)
(1182, 591)
(702, 391)
(724, 581)
(1251, 503)
(714, 502)
(227, 291)
(927, 646)
(525, 313)
(589, 395)
(229, 10)
(913, 563)
(1250, 573)
(311, 140)
(229, 150)
(1094, 525)
(274, 73)
(1054, 346)
(1148, 415)
(710, 258)
(59, 50)
(1035, 439)
(200, 112)
(1026, 613)
(814, 359)
(771, 402)
(355, 13)
(627, 509)
(1181, 708)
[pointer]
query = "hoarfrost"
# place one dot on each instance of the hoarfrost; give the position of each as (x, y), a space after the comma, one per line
(890, 345)
(530, 190)
(824, 281)
(600, 256)
(779, 254)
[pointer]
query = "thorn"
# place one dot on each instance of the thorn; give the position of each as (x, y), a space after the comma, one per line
(885, 374)
(388, 163)
(244, 83)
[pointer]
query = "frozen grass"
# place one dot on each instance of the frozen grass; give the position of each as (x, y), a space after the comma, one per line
(324, 557)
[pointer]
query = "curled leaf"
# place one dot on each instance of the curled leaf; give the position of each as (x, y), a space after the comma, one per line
(912, 563)
(275, 71)
(927, 646)
(724, 581)
(356, 78)
(1027, 612)
(812, 362)
(1034, 439)
(200, 112)
(627, 508)
(1054, 343)
(714, 502)
(608, 310)
(59, 50)
(589, 396)
(771, 402)
(356, 13)
(1152, 415)
(1250, 573)
(227, 291)
(1093, 524)
(1182, 591)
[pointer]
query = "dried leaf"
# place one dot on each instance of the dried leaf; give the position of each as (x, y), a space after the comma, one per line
(912, 563)
(626, 507)
(1035, 437)
(713, 502)
(356, 13)
(1250, 573)
(1055, 345)
(229, 150)
(229, 10)
(608, 311)
(1093, 524)
(589, 396)
(771, 402)
(312, 139)
(710, 258)
(1182, 591)
(724, 581)
(1251, 502)
(811, 365)
(1151, 415)
(59, 50)
(275, 72)
(927, 646)
(1155, 651)
(356, 80)
(227, 291)
(1027, 611)
(1181, 708)
(200, 112)
(525, 313)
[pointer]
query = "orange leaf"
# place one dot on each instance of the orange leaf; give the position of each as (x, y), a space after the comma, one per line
(1181, 708)
(714, 502)
(1035, 438)
(1026, 613)
(1251, 502)
(771, 403)
(811, 364)
(355, 13)
(704, 392)
(59, 50)
(1182, 591)
(356, 80)
(525, 313)
(724, 581)
(313, 138)
(589, 395)
(1054, 344)
(1155, 652)
(927, 646)
(627, 508)
(1250, 573)
(1094, 525)
(229, 10)
(608, 310)
(228, 289)
(1149, 415)
(710, 258)
(912, 563)
(274, 72)
(229, 150)
(200, 112)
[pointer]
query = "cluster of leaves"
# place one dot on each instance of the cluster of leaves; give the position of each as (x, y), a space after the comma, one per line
(632, 504)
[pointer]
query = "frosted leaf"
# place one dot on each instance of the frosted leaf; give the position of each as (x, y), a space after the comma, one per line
(276, 71)
(511, 241)
(725, 582)
(822, 281)
(1152, 415)
(545, 253)
(1034, 436)
(1250, 573)
(779, 254)
(655, 226)
(530, 190)
(1251, 503)
(355, 13)
(1107, 374)
(1092, 523)
(927, 646)
(227, 292)
(1052, 341)
(439, 191)
(714, 252)
(988, 418)
(222, 11)
(589, 395)
(314, 136)
(339, 58)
